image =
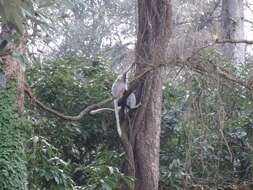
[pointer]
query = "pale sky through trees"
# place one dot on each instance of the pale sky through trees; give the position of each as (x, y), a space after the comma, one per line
(249, 17)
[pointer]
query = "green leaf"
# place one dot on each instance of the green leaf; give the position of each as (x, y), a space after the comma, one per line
(129, 180)
(105, 186)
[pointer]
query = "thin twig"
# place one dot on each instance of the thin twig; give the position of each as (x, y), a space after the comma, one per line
(250, 42)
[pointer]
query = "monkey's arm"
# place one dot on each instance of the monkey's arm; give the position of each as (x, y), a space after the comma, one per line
(135, 107)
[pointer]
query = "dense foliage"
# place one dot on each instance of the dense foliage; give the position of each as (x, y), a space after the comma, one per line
(64, 153)
(207, 130)
(73, 45)
(13, 135)
(196, 145)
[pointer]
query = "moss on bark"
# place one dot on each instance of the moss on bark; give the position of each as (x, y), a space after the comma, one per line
(13, 130)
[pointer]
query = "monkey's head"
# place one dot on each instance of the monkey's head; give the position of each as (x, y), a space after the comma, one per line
(119, 86)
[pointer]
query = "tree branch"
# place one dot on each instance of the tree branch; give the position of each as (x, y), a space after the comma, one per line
(88, 109)
(84, 112)
(218, 41)
(191, 63)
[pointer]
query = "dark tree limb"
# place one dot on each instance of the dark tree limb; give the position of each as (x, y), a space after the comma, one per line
(190, 63)
(220, 41)
(84, 112)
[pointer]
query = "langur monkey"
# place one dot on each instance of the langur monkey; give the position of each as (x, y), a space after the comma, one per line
(118, 89)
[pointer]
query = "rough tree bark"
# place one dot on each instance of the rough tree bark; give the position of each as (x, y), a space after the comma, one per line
(154, 30)
(13, 129)
(232, 28)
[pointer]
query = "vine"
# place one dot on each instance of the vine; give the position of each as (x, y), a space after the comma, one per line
(13, 130)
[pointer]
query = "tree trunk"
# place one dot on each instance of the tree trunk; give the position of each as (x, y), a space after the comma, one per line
(13, 171)
(154, 30)
(232, 28)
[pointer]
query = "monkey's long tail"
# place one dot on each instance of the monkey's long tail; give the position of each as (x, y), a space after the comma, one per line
(115, 102)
